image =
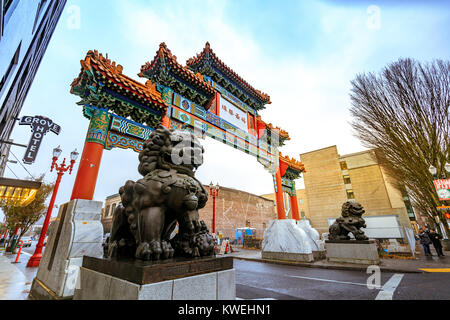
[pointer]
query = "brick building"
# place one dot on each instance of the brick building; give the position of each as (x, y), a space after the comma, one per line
(238, 209)
(234, 209)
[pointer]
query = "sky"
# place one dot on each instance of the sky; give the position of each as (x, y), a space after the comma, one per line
(304, 54)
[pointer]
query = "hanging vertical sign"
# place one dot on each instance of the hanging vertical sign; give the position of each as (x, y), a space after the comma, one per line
(443, 189)
(39, 127)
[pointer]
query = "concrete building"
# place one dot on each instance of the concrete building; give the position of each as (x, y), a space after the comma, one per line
(234, 209)
(111, 202)
(25, 31)
(331, 179)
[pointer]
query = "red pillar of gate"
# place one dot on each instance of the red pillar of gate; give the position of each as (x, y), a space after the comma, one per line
(86, 179)
(279, 196)
(294, 207)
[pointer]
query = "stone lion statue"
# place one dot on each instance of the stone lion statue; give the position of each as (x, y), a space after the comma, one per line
(349, 222)
(168, 195)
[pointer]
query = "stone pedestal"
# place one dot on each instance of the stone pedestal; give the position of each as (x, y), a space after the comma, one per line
(207, 278)
(77, 232)
(291, 240)
(352, 251)
(289, 256)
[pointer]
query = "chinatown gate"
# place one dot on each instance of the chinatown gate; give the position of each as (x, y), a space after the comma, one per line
(204, 97)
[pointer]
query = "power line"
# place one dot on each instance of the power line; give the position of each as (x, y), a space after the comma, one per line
(22, 165)
(11, 170)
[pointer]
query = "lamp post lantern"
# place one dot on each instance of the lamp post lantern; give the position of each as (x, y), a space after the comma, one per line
(447, 167)
(214, 192)
(432, 169)
(61, 169)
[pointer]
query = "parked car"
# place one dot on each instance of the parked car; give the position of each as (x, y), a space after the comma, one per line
(27, 242)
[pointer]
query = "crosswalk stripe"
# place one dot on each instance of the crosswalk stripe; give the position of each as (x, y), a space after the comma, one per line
(387, 291)
(329, 280)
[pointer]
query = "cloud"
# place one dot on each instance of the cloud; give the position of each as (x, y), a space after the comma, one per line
(304, 56)
(310, 101)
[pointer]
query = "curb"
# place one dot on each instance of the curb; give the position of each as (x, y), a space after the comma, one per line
(343, 267)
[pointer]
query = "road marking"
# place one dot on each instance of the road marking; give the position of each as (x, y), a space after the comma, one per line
(328, 280)
(256, 299)
(387, 291)
(437, 270)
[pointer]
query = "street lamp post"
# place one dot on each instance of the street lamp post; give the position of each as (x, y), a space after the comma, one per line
(214, 192)
(61, 169)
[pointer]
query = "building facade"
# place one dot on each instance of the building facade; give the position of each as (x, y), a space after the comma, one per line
(234, 209)
(111, 202)
(332, 179)
(25, 31)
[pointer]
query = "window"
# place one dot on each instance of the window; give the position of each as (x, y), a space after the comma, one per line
(107, 211)
(6, 5)
(343, 165)
(39, 9)
(113, 208)
(8, 8)
(12, 65)
(350, 194)
(247, 223)
(347, 179)
(300, 201)
(24, 77)
(303, 214)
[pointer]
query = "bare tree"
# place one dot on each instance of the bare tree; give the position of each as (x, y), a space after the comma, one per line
(403, 113)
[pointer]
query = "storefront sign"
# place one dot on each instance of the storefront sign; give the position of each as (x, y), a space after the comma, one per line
(442, 188)
(39, 127)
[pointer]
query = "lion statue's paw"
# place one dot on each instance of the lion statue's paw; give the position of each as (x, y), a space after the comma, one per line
(149, 251)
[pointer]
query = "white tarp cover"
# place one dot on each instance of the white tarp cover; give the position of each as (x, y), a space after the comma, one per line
(380, 227)
(289, 236)
(411, 239)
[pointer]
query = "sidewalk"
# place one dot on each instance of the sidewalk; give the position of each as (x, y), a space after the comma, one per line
(431, 264)
(15, 279)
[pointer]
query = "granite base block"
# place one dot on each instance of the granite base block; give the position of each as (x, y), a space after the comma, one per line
(78, 232)
(41, 292)
(287, 256)
(351, 251)
(319, 255)
(94, 285)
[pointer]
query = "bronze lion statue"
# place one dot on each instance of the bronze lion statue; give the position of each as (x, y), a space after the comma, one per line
(168, 195)
(351, 221)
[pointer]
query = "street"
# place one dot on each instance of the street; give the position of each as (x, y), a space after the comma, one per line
(257, 280)
(266, 281)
